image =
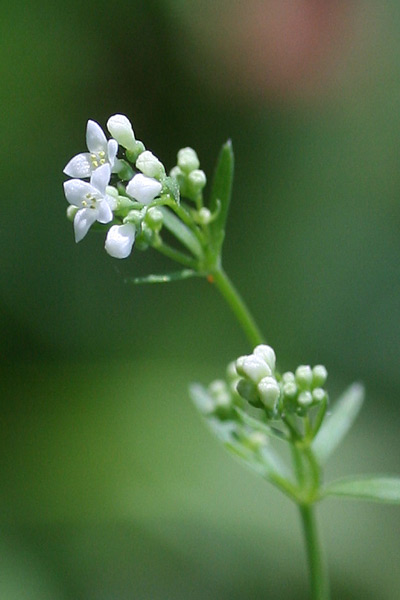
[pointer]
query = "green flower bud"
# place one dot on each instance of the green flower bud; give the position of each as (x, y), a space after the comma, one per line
(248, 390)
(137, 150)
(305, 399)
(204, 216)
(320, 375)
(256, 440)
(154, 218)
(188, 160)
(269, 392)
(71, 212)
(197, 181)
(319, 395)
(267, 354)
(136, 216)
(288, 377)
(304, 377)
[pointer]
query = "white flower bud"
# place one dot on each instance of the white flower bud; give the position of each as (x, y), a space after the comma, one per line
(318, 395)
(255, 368)
(257, 439)
(304, 376)
(188, 160)
(150, 165)
(320, 375)
(143, 189)
(204, 216)
(269, 392)
(120, 239)
(290, 389)
(121, 129)
(267, 353)
(197, 180)
(239, 365)
(288, 377)
(305, 399)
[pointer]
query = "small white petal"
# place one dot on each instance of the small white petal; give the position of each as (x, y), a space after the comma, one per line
(95, 139)
(84, 218)
(121, 129)
(100, 178)
(79, 166)
(104, 212)
(75, 191)
(143, 189)
(112, 149)
(150, 165)
(120, 239)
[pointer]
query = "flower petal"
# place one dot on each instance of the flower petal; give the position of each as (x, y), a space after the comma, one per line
(75, 191)
(143, 189)
(120, 239)
(104, 212)
(79, 166)
(83, 220)
(112, 149)
(95, 139)
(100, 178)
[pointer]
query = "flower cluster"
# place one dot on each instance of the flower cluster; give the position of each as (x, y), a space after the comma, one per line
(124, 192)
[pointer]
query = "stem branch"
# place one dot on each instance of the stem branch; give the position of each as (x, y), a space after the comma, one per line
(318, 574)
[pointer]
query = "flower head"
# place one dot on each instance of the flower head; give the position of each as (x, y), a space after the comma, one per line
(101, 152)
(91, 199)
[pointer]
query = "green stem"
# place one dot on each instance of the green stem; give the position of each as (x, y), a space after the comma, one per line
(238, 306)
(318, 574)
(175, 255)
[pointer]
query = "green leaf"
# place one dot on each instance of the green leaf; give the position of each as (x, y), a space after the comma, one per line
(165, 278)
(338, 423)
(221, 195)
(375, 489)
(234, 435)
(180, 231)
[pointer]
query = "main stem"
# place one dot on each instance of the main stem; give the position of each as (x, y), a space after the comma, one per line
(238, 306)
(318, 578)
(318, 574)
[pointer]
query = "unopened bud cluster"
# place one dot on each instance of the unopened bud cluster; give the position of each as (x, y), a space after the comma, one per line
(190, 178)
(303, 389)
(257, 381)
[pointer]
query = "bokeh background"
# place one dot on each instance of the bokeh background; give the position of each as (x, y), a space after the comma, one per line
(111, 487)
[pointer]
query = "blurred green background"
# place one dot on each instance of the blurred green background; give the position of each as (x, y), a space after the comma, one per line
(111, 487)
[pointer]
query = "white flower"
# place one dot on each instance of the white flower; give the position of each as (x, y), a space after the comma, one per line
(143, 189)
(121, 129)
(91, 199)
(120, 240)
(150, 165)
(100, 153)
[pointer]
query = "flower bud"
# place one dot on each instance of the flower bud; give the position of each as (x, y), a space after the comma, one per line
(305, 399)
(121, 129)
(204, 216)
(267, 353)
(197, 181)
(304, 377)
(188, 160)
(150, 165)
(255, 368)
(138, 149)
(154, 218)
(248, 390)
(120, 239)
(71, 212)
(269, 392)
(256, 440)
(290, 389)
(143, 189)
(288, 377)
(319, 395)
(320, 375)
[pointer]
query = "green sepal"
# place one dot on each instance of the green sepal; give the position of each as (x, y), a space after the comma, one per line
(337, 424)
(221, 196)
(374, 489)
(165, 278)
(181, 232)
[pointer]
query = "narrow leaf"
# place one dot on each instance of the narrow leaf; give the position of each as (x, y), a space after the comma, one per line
(165, 278)
(338, 423)
(221, 194)
(180, 231)
(375, 489)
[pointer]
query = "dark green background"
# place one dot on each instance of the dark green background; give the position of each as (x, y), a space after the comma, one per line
(111, 487)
